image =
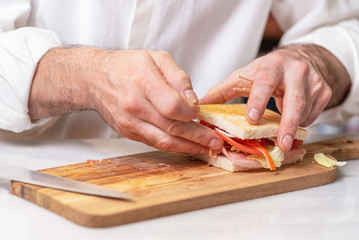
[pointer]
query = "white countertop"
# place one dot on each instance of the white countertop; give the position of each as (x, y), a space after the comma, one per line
(326, 212)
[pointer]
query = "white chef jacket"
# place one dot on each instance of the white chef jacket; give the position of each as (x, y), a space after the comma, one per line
(209, 39)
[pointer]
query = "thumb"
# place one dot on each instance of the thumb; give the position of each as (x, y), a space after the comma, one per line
(222, 92)
(175, 76)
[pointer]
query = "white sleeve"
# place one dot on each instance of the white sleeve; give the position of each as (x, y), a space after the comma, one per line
(334, 26)
(21, 48)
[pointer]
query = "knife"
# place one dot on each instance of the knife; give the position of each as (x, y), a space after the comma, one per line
(46, 180)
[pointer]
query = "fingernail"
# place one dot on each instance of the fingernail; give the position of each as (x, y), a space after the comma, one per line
(253, 115)
(287, 141)
(215, 144)
(213, 153)
(191, 96)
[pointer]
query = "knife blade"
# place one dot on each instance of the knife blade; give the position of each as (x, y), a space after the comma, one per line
(46, 180)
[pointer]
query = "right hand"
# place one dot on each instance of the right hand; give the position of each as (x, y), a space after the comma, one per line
(143, 95)
(310, 77)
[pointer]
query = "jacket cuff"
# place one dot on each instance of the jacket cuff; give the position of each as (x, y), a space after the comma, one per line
(20, 52)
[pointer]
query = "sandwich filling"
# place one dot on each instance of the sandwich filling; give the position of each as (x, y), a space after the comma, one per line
(251, 151)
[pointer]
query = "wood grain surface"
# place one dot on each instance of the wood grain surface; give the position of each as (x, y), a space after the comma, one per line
(166, 183)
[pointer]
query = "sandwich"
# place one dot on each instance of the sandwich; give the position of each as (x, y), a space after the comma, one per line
(246, 146)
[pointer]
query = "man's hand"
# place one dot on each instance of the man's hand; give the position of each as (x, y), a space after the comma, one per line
(312, 79)
(142, 94)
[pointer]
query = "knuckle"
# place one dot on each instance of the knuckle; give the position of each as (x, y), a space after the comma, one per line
(318, 81)
(164, 143)
(214, 90)
(124, 123)
(328, 93)
(324, 94)
(164, 55)
(219, 95)
(202, 138)
(310, 119)
(297, 106)
(172, 108)
(140, 55)
(292, 122)
(299, 102)
(132, 106)
(320, 88)
(178, 74)
(301, 67)
(325, 98)
(175, 128)
(306, 123)
(267, 80)
(276, 58)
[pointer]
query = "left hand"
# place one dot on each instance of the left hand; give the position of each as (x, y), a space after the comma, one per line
(142, 94)
(301, 72)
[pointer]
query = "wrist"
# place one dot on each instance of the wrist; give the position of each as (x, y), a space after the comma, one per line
(63, 82)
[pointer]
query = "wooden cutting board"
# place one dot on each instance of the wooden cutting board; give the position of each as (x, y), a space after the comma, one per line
(167, 183)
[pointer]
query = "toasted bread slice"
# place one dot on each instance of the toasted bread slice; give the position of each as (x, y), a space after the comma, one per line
(231, 118)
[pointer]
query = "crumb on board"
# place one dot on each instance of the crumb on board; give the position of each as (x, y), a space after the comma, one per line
(90, 163)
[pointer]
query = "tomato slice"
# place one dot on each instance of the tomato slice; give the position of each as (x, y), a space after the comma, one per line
(297, 143)
(241, 146)
(247, 146)
(251, 147)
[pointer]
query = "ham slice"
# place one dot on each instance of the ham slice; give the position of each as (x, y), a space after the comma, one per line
(240, 159)
(293, 156)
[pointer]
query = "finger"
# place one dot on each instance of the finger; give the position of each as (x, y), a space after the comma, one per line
(311, 97)
(167, 100)
(175, 76)
(294, 103)
(318, 106)
(194, 132)
(134, 108)
(191, 131)
(263, 87)
(279, 104)
(320, 91)
(223, 92)
(127, 129)
(134, 128)
(302, 88)
(314, 113)
(153, 136)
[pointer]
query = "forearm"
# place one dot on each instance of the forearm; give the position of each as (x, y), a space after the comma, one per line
(61, 82)
(331, 69)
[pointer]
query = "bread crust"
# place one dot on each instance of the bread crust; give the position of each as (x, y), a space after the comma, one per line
(231, 118)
